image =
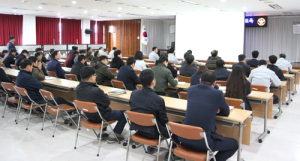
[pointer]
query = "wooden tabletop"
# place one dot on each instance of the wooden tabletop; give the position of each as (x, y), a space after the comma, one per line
(283, 83)
(11, 72)
(186, 86)
(294, 71)
(254, 94)
(67, 69)
(62, 60)
(63, 83)
(289, 75)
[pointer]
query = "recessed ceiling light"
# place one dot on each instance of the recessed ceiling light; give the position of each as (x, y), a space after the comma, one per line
(40, 7)
(119, 8)
(85, 11)
(223, 0)
(119, 15)
(14, 10)
(152, 13)
(92, 17)
(216, 9)
(244, 8)
(58, 14)
(73, 2)
(142, 7)
(190, 2)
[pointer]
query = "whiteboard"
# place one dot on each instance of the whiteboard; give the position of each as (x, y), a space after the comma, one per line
(296, 28)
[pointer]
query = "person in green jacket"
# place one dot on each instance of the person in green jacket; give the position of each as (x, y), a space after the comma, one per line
(102, 71)
(89, 54)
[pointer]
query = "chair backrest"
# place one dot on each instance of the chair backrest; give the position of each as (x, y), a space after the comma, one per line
(51, 73)
(151, 65)
(260, 88)
(146, 57)
(87, 60)
(252, 68)
(71, 77)
(21, 91)
(63, 64)
(141, 118)
(285, 72)
(137, 72)
(117, 84)
(2, 65)
(184, 79)
(124, 58)
(148, 61)
(139, 86)
(237, 103)
(113, 70)
(186, 131)
(13, 66)
(8, 86)
(89, 107)
(182, 95)
(46, 94)
(222, 83)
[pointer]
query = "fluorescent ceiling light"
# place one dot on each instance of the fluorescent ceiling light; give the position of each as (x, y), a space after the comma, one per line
(142, 7)
(244, 8)
(216, 9)
(92, 17)
(14, 10)
(58, 14)
(119, 8)
(119, 15)
(85, 11)
(152, 13)
(223, 0)
(74, 2)
(190, 2)
(40, 7)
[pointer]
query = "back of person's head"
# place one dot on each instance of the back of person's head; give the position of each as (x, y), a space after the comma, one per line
(190, 51)
(154, 48)
(214, 53)
(171, 50)
(102, 57)
(74, 48)
(37, 54)
(139, 55)
(88, 49)
(86, 73)
(202, 68)
(236, 83)
(12, 51)
(220, 63)
(208, 77)
(100, 48)
(38, 49)
(242, 57)
(33, 59)
(146, 77)
(11, 38)
(162, 59)
(189, 59)
(24, 52)
(24, 63)
(186, 54)
(82, 52)
(114, 48)
(4, 51)
(51, 50)
(117, 52)
(255, 54)
(273, 59)
(75, 52)
(96, 53)
(164, 55)
(130, 61)
(81, 57)
(262, 62)
(54, 53)
(282, 55)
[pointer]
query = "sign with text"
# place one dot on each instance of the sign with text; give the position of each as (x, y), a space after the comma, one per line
(256, 21)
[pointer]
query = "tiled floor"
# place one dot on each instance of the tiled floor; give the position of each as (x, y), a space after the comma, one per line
(18, 144)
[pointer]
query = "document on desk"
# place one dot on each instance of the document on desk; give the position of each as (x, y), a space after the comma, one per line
(49, 78)
(222, 88)
(181, 83)
(250, 94)
(117, 92)
(231, 107)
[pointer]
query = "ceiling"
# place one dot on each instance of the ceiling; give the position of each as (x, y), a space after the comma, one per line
(147, 9)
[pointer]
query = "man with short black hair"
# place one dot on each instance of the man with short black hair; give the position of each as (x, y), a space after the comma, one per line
(70, 59)
(37, 71)
(11, 43)
(74, 48)
(102, 52)
(44, 60)
(127, 75)
(211, 63)
(189, 52)
(274, 68)
(3, 53)
(49, 57)
(153, 56)
(201, 111)
(102, 71)
(170, 66)
(187, 69)
(39, 56)
(215, 52)
(88, 91)
(283, 64)
(81, 52)
(253, 62)
(55, 66)
(117, 61)
(89, 54)
(221, 72)
(172, 58)
(77, 66)
(9, 58)
(242, 61)
(24, 54)
(111, 53)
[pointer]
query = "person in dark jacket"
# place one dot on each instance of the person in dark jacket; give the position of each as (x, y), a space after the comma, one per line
(9, 58)
(253, 62)
(127, 75)
(49, 58)
(194, 64)
(211, 63)
(3, 53)
(77, 66)
(20, 57)
(238, 86)
(39, 56)
(4, 77)
(273, 67)
(169, 66)
(221, 72)
(74, 48)
(242, 62)
(102, 71)
(88, 91)
(204, 103)
(117, 61)
(195, 79)
(55, 66)
(11, 43)
(40, 50)
(70, 59)
(188, 69)
(89, 54)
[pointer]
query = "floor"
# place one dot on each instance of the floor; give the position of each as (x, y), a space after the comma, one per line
(18, 144)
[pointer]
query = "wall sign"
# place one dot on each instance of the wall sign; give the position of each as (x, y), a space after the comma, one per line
(256, 21)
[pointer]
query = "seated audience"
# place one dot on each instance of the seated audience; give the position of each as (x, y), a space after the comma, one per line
(238, 86)
(211, 63)
(37, 71)
(140, 63)
(3, 53)
(189, 52)
(74, 48)
(111, 53)
(49, 57)
(81, 52)
(188, 69)
(95, 59)
(242, 61)
(117, 61)
(170, 66)
(24, 54)
(253, 62)
(55, 66)
(163, 76)
(88, 91)
(77, 66)
(127, 75)
(221, 72)
(201, 111)
(70, 59)
(9, 58)
(274, 68)
(283, 64)
(102, 52)
(44, 60)
(39, 56)
(89, 54)
(153, 56)
(102, 71)
(172, 58)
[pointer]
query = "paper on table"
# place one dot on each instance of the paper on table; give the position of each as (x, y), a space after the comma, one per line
(181, 83)
(250, 94)
(231, 107)
(48, 78)
(222, 88)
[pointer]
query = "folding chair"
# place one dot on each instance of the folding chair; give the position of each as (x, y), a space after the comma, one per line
(2, 65)
(184, 79)
(22, 92)
(148, 61)
(191, 133)
(221, 83)
(113, 70)
(285, 72)
(62, 64)
(13, 66)
(260, 88)
(139, 86)
(90, 107)
(182, 95)
(55, 109)
(71, 77)
(237, 103)
(143, 120)
(118, 84)
(151, 65)
(51, 74)
(9, 88)
(137, 72)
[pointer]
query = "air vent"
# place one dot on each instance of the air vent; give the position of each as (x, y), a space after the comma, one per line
(48, 4)
(25, 1)
(65, 6)
(275, 6)
(287, 13)
(269, 2)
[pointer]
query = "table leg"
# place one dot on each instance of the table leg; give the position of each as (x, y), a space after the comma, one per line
(280, 104)
(295, 91)
(266, 131)
(290, 91)
(239, 154)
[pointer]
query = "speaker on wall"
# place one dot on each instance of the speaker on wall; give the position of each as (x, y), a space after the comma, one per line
(88, 31)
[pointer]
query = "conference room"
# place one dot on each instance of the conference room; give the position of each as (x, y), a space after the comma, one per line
(149, 80)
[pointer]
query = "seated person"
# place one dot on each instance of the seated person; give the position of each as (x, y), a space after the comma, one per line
(274, 68)
(253, 62)
(221, 72)
(195, 79)
(194, 64)
(163, 76)
(188, 69)
(49, 57)
(102, 52)
(39, 56)
(139, 61)
(37, 71)
(55, 66)
(95, 59)
(89, 54)
(4, 77)
(77, 66)
(44, 60)
(204, 103)
(32, 85)
(211, 63)
(9, 58)
(102, 70)
(20, 57)
(3, 53)
(74, 48)
(88, 91)
(172, 58)
(238, 86)
(117, 61)
(283, 64)
(211, 57)
(111, 53)
(127, 75)
(81, 52)
(242, 61)
(70, 59)
(153, 56)
(170, 67)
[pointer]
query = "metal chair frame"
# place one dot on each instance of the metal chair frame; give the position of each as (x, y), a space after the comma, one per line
(7, 94)
(116, 87)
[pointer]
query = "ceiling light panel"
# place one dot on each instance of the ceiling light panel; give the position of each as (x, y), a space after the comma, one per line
(190, 2)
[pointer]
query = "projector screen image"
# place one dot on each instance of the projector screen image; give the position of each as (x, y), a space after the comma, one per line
(206, 31)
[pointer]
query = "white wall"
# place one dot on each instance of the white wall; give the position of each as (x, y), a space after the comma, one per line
(85, 24)
(29, 30)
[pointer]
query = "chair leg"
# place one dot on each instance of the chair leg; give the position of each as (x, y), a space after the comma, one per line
(144, 148)
(158, 148)
(44, 116)
(71, 118)
(128, 144)
(113, 132)
(55, 122)
(29, 116)
(77, 132)
(17, 110)
(170, 151)
(5, 103)
(100, 137)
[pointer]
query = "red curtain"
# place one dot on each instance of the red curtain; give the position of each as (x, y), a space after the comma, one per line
(93, 34)
(71, 31)
(47, 30)
(11, 25)
(100, 32)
